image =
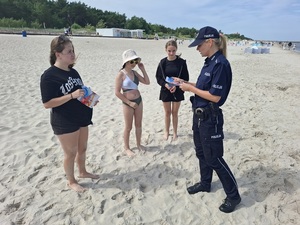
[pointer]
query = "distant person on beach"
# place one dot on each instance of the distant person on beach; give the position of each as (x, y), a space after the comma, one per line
(211, 91)
(60, 87)
(171, 95)
(126, 89)
(68, 31)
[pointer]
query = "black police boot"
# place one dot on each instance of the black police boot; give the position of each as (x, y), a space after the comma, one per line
(198, 187)
(229, 205)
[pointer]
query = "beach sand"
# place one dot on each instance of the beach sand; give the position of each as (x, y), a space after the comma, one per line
(262, 139)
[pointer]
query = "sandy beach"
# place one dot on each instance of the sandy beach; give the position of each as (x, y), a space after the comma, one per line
(262, 139)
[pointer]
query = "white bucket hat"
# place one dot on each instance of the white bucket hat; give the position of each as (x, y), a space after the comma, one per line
(129, 55)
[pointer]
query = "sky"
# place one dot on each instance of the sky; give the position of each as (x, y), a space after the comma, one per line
(276, 20)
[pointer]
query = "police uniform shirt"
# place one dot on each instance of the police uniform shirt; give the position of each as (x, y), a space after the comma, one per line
(215, 77)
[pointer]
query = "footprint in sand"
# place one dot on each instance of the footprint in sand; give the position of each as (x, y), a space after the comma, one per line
(101, 210)
(32, 175)
(117, 196)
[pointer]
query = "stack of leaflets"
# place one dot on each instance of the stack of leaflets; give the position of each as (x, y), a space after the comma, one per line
(90, 98)
(171, 81)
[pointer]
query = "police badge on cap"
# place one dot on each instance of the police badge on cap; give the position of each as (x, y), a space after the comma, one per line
(203, 34)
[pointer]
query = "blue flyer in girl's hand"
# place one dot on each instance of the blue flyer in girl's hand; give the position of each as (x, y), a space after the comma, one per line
(87, 91)
(171, 81)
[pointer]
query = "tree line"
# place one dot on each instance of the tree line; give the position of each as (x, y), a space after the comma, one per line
(49, 14)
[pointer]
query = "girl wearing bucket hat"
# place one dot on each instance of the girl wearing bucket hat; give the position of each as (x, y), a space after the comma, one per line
(211, 91)
(126, 89)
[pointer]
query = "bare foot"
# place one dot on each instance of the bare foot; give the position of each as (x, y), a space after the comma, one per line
(76, 187)
(129, 152)
(175, 137)
(141, 148)
(166, 136)
(89, 175)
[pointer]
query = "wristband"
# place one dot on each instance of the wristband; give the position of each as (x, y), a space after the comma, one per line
(71, 96)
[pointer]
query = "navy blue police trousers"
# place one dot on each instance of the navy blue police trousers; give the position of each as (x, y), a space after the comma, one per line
(208, 139)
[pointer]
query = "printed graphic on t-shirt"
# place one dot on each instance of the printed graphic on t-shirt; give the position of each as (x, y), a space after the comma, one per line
(70, 84)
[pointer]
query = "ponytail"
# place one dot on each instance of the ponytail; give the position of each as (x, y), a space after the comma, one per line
(222, 44)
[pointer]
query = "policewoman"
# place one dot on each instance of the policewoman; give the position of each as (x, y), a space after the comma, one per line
(211, 91)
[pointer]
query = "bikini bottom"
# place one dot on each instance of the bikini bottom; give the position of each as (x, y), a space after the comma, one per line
(137, 101)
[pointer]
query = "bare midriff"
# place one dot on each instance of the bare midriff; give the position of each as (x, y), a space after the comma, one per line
(132, 94)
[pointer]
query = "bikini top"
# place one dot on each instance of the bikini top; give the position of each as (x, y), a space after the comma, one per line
(128, 84)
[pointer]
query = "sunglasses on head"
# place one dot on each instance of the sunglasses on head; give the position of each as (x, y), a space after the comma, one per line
(136, 61)
(62, 38)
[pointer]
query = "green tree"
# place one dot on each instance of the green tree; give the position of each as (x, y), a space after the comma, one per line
(156, 28)
(41, 14)
(77, 13)
(114, 20)
(94, 16)
(138, 23)
(184, 31)
(101, 24)
(7, 9)
(61, 13)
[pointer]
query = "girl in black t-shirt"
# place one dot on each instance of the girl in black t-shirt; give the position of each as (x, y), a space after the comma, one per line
(61, 85)
(170, 95)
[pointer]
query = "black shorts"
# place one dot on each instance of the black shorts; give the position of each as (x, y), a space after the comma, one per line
(61, 125)
(167, 96)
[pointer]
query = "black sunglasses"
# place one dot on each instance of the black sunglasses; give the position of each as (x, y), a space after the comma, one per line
(136, 61)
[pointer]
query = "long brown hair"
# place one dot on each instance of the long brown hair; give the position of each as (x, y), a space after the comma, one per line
(172, 43)
(58, 45)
